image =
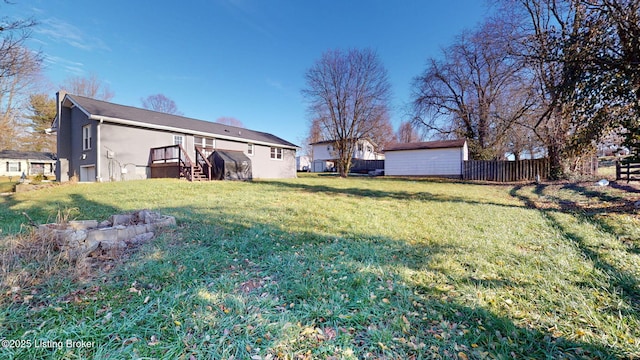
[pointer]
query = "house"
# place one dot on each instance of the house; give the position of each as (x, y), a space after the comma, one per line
(102, 141)
(15, 163)
(325, 155)
(303, 163)
(433, 158)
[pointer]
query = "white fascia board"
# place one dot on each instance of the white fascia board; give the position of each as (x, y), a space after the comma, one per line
(66, 97)
(183, 131)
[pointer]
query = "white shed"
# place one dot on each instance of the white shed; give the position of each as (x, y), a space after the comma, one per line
(433, 158)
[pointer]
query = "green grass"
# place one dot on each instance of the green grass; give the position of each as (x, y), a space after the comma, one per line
(324, 267)
(6, 186)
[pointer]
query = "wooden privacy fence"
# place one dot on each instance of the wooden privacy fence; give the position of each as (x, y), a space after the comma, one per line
(627, 170)
(505, 171)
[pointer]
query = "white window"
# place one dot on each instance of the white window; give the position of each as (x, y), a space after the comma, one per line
(86, 137)
(178, 139)
(276, 153)
(250, 149)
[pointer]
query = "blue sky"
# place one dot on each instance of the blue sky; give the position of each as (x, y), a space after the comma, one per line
(238, 58)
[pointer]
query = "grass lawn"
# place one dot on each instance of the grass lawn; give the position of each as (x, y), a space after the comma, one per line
(6, 185)
(330, 268)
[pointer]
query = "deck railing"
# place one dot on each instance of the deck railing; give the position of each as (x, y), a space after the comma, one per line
(204, 163)
(173, 154)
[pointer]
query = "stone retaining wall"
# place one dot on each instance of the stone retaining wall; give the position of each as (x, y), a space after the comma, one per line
(79, 239)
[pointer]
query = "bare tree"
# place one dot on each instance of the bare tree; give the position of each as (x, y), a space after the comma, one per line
(15, 85)
(407, 133)
(348, 92)
(462, 96)
(231, 121)
(91, 87)
(13, 34)
(382, 134)
(161, 103)
(19, 67)
(314, 135)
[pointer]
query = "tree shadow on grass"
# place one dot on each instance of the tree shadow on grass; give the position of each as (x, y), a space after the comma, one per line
(621, 282)
(379, 194)
(300, 276)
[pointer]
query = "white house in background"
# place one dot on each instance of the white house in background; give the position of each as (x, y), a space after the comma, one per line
(303, 163)
(325, 155)
(433, 158)
(15, 163)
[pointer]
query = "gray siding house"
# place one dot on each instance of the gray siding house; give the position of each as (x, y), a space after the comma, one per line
(102, 141)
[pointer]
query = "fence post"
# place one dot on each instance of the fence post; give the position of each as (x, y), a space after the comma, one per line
(617, 169)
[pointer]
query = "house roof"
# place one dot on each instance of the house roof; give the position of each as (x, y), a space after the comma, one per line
(441, 144)
(110, 112)
(27, 155)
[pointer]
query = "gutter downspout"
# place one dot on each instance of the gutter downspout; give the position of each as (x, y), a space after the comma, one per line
(98, 177)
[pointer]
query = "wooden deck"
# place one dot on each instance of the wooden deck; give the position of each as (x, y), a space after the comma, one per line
(173, 161)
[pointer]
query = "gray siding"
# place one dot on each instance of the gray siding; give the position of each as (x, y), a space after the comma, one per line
(125, 150)
(71, 155)
(121, 152)
(128, 148)
(266, 168)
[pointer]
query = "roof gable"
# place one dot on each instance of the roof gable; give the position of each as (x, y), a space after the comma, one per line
(97, 109)
(441, 144)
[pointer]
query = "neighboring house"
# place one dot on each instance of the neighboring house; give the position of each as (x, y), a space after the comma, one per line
(15, 163)
(102, 141)
(325, 156)
(303, 163)
(433, 158)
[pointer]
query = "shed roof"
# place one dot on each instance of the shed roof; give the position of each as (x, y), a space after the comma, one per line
(27, 155)
(440, 144)
(111, 112)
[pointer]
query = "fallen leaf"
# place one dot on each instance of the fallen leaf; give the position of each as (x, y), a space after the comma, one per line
(153, 341)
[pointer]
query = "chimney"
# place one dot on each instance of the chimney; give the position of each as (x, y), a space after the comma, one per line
(59, 98)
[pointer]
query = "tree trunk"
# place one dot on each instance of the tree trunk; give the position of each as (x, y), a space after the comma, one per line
(556, 170)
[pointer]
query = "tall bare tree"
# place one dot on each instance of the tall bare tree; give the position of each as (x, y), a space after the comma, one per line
(463, 94)
(585, 58)
(90, 86)
(407, 133)
(19, 67)
(161, 103)
(348, 92)
(15, 85)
